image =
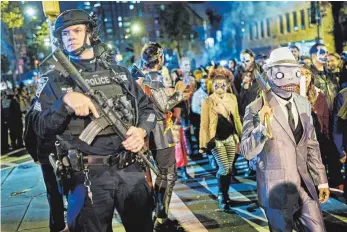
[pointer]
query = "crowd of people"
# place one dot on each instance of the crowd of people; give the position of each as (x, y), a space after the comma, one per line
(182, 113)
(324, 75)
(14, 104)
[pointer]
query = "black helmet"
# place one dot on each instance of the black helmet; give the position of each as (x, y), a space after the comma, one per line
(72, 17)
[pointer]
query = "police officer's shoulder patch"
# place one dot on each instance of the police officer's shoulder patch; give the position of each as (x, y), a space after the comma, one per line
(41, 83)
(123, 76)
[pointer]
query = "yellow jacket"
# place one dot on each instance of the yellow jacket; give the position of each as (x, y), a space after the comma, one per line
(209, 117)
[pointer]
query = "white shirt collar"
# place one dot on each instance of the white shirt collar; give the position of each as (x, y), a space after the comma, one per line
(284, 102)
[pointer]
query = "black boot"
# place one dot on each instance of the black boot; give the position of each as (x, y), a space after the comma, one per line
(222, 204)
(226, 190)
(183, 173)
(160, 216)
(162, 222)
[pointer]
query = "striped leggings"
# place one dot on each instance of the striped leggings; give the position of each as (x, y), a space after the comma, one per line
(224, 153)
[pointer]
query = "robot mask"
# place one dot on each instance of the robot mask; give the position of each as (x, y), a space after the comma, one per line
(284, 80)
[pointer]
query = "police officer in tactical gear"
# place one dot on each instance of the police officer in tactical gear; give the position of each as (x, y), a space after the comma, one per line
(161, 140)
(39, 149)
(105, 174)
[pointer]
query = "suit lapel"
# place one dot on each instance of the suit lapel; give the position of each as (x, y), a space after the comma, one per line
(280, 116)
(300, 106)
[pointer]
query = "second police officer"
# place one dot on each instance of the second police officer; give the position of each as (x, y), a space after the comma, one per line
(115, 178)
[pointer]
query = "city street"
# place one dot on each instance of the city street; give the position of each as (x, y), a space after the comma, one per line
(193, 206)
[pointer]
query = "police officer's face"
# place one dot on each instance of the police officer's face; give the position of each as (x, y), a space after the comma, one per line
(73, 37)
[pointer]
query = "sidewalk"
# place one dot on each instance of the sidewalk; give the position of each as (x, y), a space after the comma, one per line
(24, 204)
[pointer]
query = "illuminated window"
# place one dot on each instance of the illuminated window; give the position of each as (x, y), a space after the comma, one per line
(250, 31)
(295, 18)
(309, 17)
(302, 14)
(255, 25)
(281, 25)
(131, 7)
(268, 27)
(120, 24)
(119, 18)
(288, 23)
(262, 28)
(108, 31)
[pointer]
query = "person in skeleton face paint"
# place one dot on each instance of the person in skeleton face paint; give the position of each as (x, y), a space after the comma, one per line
(323, 79)
(244, 81)
(285, 187)
(220, 129)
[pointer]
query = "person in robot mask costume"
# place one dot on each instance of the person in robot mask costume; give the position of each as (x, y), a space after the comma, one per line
(161, 140)
(289, 164)
(111, 177)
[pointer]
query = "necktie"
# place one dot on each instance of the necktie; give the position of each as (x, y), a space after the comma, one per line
(290, 116)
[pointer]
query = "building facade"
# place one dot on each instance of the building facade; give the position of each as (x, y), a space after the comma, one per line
(291, 25)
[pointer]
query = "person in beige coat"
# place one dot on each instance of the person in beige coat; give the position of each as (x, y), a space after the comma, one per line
(220, 129)
(289, 165)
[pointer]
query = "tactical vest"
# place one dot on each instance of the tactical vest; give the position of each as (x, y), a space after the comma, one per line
(113, 93)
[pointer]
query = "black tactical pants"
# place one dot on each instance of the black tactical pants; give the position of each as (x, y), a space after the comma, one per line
(165, 182)
(55, 199)
(16, 133)
(124, 189)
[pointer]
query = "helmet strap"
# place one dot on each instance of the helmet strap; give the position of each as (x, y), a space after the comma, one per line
(80, 50)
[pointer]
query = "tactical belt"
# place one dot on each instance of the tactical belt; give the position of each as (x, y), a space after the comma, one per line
(79, 160)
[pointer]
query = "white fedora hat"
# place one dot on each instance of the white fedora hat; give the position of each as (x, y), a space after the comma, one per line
(281, 56)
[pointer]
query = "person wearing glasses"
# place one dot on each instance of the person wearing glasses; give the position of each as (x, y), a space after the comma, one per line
(220, 130)
(323, 80)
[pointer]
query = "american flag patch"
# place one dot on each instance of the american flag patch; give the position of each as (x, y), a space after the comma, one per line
(37, 106)
(40, 85)
(151, 118)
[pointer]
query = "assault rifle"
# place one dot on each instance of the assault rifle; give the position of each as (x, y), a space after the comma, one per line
(108, 116)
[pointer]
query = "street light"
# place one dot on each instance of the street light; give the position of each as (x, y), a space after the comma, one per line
(30, 11)
(136, 28)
